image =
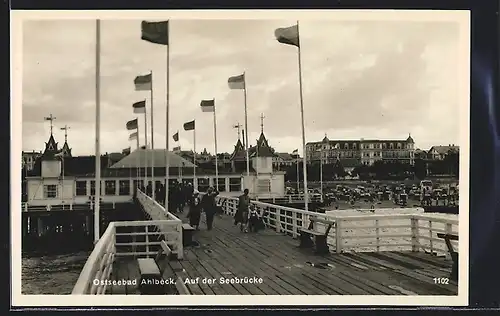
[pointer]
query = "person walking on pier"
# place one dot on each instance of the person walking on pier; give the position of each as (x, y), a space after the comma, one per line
(194, 211)
(210, 206)
(241, 215)
(161, 194)
(180, 201)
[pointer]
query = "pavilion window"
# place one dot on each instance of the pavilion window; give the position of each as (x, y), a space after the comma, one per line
(124, 187)
(234, 184)
(110, 187)
(81, 188)
(221, 186)
(203, 184)
(50, 191)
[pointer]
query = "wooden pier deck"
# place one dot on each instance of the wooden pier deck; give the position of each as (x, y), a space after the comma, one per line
(285, 269)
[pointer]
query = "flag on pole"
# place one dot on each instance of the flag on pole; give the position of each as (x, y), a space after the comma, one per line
(139, 107)
(296, 151)
(133, 136)
(207, 106)
(288, 35)
(143, 83)
(236, 82)
(177, 149)
(189, 126)
(126, 151)
(176, 137)
(132, 124)
(155, 32)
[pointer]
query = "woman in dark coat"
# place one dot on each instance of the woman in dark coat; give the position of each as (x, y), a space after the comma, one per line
(194, 211)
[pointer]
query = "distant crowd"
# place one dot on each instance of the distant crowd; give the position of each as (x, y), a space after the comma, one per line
(182, 195)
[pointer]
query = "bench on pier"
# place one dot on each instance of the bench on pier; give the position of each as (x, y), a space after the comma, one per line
(454, 255)
(320, 239)
(187, 234)
(151, 280)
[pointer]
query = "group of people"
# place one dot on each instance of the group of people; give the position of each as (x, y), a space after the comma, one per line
(181, 195)
(207, 204)
(246, 215)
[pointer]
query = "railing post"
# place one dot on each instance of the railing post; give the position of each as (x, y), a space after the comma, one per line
(338, 236)
(377, 233)
(147, 241)
(431, 243)
(180, 247)
(294, 224)
(290, 199)
(414, 235)
(448, 230)
(277, 221)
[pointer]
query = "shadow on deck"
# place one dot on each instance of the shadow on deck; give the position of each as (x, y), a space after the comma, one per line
(285, 269)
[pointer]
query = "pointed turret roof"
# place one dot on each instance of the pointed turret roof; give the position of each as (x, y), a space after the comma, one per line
(262, 149)
(410, 140)
(66, 151)
(50, 149)
(239, 151)
(325, 139)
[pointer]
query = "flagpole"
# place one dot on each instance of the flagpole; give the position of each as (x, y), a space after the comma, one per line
(152, 144)
(137, 160)
(97, 202)
(306, 193)
(321, 174)
(298, 176)
(246, 122)
(194, 157)
(167, 119)
(145, 150)
(215, 144)
(179, 175)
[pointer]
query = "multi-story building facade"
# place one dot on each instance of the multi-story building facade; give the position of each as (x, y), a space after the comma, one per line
(362, 151)
(29, 158)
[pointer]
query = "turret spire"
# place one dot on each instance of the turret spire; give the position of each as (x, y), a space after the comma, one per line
(51, 119)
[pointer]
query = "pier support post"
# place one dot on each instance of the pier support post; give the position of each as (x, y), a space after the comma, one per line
(40, 226)
(25, 225)
(87, 225)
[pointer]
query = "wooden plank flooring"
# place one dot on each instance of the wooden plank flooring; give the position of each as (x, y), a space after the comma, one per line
(285, 269)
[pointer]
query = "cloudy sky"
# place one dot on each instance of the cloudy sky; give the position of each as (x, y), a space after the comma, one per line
(370, 79)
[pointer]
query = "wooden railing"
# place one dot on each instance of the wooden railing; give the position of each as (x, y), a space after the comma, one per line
(129, 238)
(372, 232)
(26, 207)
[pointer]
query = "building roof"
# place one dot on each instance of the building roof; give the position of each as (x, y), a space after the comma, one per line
(239, 152)
(142, 157)
(410, 140)
(286, 156)
(442, 150)
(262, 149)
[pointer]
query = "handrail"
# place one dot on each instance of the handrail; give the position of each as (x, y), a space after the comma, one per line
(90, 268)
(157, 212)
(371, 231)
